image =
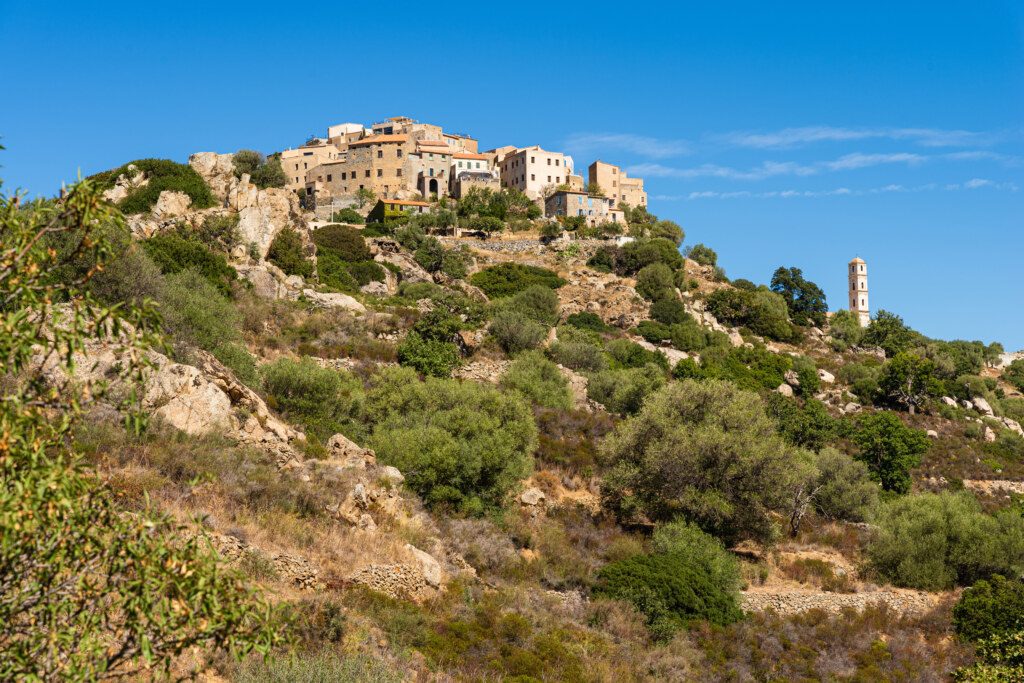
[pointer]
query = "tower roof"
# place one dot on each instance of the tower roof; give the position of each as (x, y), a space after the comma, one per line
(858, 259)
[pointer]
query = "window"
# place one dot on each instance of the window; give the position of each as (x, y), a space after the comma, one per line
(460, 164)
(399, 150)
(367, 175)
(549, 179)
(533, 160)
(305, 166)
(533, 177)
(380, 172)
(296, 179)
(398, 172)
(431, 171)
(549, 162)
(862, 269)
(380, 154)
(343, 176)
(328, 177)
(558, 179)
(862, 302)
(296, 167)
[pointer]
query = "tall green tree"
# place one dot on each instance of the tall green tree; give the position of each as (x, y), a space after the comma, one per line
(909, 380)
(889, 448)
(804, 299)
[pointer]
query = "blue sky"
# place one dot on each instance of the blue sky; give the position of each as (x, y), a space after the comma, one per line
(797, 134)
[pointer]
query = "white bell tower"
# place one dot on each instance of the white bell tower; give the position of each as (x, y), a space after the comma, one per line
(858, 291)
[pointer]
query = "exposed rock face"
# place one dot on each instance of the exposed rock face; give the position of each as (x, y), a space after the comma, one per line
(607, 295)
(398, 581)
(333, 300)
(182, 397)
(268, 281)
(1012, 425)
(826, 377)
(982, 406)
(532, 496)
(673, 355)
(388, 251)
(171, 204)
(431, 568)
(125, 184)
(216, 169)
(949, 401)
(483, 370)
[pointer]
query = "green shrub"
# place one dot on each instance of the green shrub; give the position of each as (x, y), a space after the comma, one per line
(460, 444)
(174, 254)
(624, 391)
(129, 278)
(672, 591)
(844, 487)
(536, 302)
(539, 380)
(628, 354)
(753, 368)
(585, 320)
(334, 273)
(515, 333)
(196, 313)
(508, 279)
(348, 215)
(217, 231)
(936, 541)
(807, 373)
(238, 359)
(863, 380)
(762, 310)
(888, 332)
(705, 450)
(655, 282)
(163, 174)
(804, 299)
(988, 608)
(345, 242)
(643, 252)
(578, 356)
(286, 253)
(604, 259)
(669, 311)
(365, 272)
(654, 332)
(320, 399)
(684, 538)
(431, 357)
(808, 425)
(889, 448)
(845, 329)
(1014, 374)
(702, 254)
(455, 263)
(688, 335)
(263, 172)
(429, 254)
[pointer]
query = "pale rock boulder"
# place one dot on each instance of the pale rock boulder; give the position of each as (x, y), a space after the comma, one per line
(430, 567)
(932, 434)
(411, 271)
(826, 376)
(217, 170)
(532, 497)
(792, 379)
(182, 397)
(262, 214)
(352, 454)
(990, 434)
(125, 184)
(171, 204)
(785, 390)
(1012, 425)
(333, 300)
(850, 408)
(391, 475)
(982, 406)
(268, 281)
(949, 401)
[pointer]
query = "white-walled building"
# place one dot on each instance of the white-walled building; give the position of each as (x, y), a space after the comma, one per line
(533, 169)
(858, 291)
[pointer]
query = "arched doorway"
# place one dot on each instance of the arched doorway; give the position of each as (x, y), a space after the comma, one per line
(432, 188)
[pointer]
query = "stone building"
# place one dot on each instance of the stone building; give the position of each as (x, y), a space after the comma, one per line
(430, 167)
(297, 162)
(616, 185)
(571, 203)
(386, 209)
(471, 170)
(533, 170)
(858, 289)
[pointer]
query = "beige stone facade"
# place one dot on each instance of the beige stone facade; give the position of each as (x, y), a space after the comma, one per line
(299, 161)
(858, 291)
(616, 185)
(472, 170)
(534, 171)
(570, 203)
(430, 166)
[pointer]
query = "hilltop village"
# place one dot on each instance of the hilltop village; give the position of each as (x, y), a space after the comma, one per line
(384, 407)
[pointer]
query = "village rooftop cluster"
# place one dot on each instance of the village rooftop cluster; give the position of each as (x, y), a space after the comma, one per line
(403, 161)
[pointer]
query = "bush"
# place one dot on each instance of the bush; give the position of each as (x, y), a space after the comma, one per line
(687, 335)
(163, 175)
(334, 273)
(624, 391)
(707, 451)
(196, 313)
(585, 320)
(604, 259)
(702, 254)
(322, 400)
(287, 254)
(515, 333)
(763, 311)
(889, 448)
(628, 354)
(888, 332)
(455, 263)
(669, 311)
(845, 330)
(238, 359)
(508, 279)
(218, 232)
(807, 373)
(808, 425)
(431, 357)
(365, 272)
(174, 254)
(429, 254)
(345, 242)
(844, 487)
(989, 608)
(937, 541)
(539, 380)
(754, 368)
(672, 591)
(129, 278)
(263, 172)
(348, 215)
(655, 282)
(460, 444)
(1014, 374)
(643, 252)
(683, 538)
(536, 303)
(578, 356)
(654, 332)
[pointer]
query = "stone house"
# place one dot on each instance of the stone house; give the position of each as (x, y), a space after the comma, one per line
(430, 167)
(471, 170)
(570, 203)
(532, 170)
(386, 209)
(616, 185)
(297, 162)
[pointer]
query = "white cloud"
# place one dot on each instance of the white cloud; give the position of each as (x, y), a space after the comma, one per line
(839, 191)
(860, 160)
(795, 137)
(975, 183)
(653, 148)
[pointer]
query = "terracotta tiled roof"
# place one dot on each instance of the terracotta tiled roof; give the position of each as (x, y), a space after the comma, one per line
(467, 155)
(377, 139)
